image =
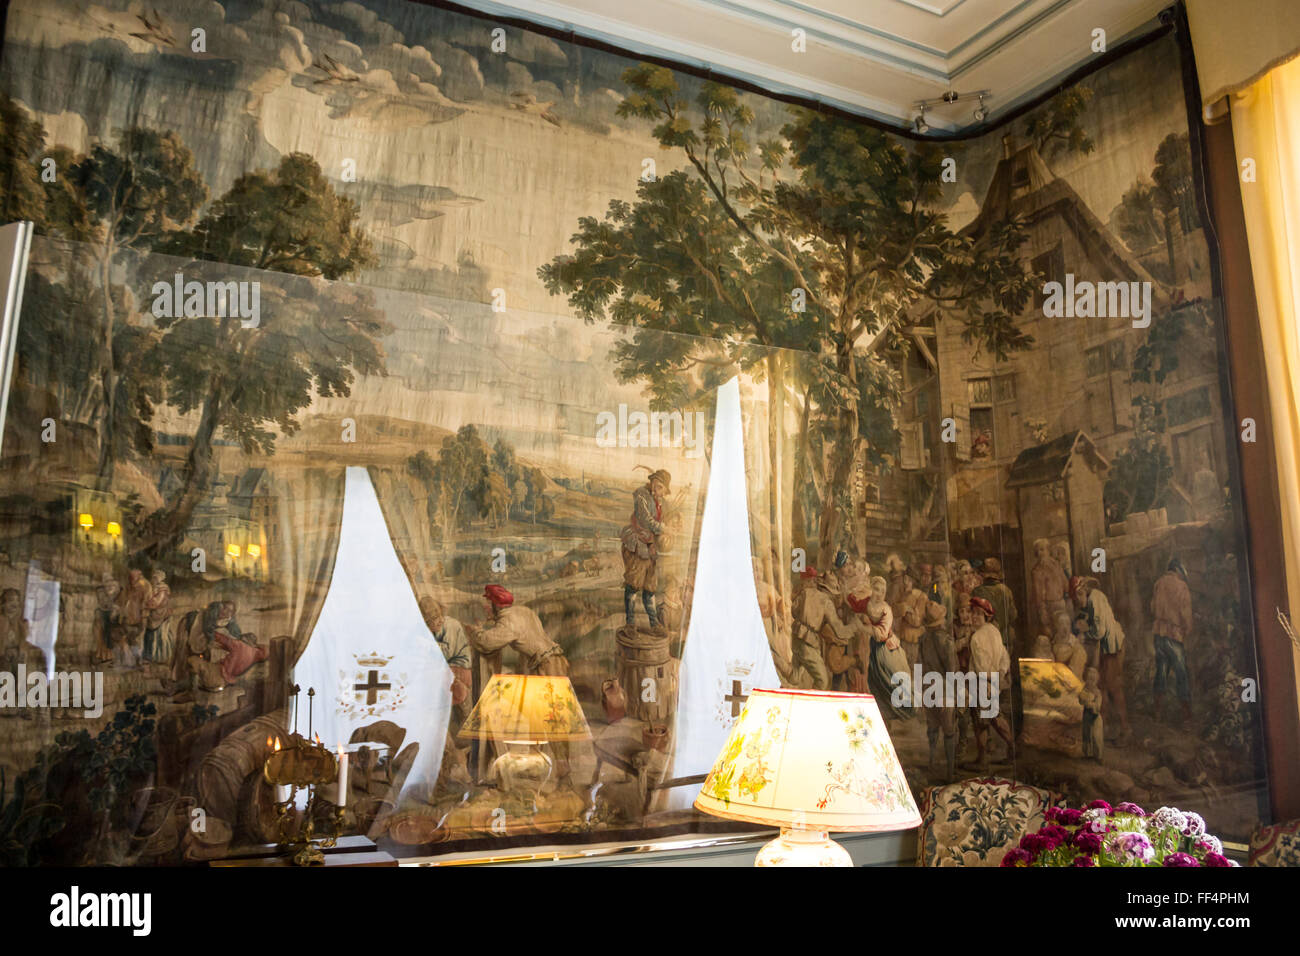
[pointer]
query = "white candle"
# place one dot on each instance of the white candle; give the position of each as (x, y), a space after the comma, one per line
(282, 793)
(343, 777)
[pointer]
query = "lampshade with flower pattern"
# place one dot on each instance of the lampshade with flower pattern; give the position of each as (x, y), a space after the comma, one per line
(523, 713)
(809, 762)
(526, 707)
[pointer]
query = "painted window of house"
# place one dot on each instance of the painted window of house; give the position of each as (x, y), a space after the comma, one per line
(1051, 264)
(1109, 357)
(1189, 406)
(1094, 361)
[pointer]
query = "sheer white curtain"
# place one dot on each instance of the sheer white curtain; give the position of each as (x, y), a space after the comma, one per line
(371, 656)
(727, 652)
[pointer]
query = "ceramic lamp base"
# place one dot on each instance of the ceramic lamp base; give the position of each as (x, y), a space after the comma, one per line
(803, 848)
(522, 770)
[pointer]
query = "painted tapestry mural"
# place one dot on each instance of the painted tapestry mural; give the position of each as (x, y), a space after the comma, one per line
(390, 375)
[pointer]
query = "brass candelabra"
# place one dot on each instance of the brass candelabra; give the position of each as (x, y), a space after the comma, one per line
(302, 764)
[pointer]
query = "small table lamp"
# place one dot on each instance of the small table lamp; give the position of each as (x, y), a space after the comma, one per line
(809, 762)
(522, 711)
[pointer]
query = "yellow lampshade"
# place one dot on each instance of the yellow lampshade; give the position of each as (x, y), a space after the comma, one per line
(233, 550)
(519, 707)
(114, 528)
(86, 521)
(254, 551)
(810, 759)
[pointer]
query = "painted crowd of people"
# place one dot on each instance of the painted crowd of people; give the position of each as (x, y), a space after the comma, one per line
(856, 632)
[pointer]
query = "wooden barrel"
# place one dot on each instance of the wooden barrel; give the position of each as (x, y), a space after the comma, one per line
(647, 673)
(223, 772)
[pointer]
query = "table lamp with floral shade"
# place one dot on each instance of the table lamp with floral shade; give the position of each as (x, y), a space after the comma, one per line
(520, 712)
(810, 762)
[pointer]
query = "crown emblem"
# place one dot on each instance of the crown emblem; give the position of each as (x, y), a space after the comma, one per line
(373, 659)
(739, 668)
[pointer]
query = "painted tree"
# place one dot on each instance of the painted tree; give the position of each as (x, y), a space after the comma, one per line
(22, 141)
(313, 337)
(107, 202)
(131, 198)
(1136, 217)
(1057, 128)
(1174, 193)
(835, 218)
(462, 463)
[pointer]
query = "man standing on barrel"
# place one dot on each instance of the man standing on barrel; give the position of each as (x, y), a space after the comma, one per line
(641, 546)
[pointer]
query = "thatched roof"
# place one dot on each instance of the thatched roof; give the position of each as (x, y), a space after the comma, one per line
(1047, 462)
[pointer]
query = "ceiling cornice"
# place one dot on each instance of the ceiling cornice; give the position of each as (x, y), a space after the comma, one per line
(878, 61)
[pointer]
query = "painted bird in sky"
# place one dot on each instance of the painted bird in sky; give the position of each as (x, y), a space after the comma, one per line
(155, 30)
(335, 72)
(527, 103)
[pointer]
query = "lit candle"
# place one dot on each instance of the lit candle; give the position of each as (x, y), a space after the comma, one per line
(343, 777)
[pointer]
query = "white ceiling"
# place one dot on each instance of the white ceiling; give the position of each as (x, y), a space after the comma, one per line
(876, 57)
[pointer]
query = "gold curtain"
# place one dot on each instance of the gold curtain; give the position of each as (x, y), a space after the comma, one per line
(772, 399)
(405, 507)
(1266, 129)
(310, 517)
(1237, 43)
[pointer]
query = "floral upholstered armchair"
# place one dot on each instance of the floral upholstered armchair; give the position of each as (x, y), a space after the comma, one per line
(975, 822)
(1276, 845)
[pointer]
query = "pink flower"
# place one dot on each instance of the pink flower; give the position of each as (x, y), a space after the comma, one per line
(1099, 805)
(1035, 843)
(1016, 857)
(1084, 861)
(1069, 817)
(1130, 847)
(1217, 859)
(1054, 836)
(1131, 808)
(1180, 859)
(1087, 841)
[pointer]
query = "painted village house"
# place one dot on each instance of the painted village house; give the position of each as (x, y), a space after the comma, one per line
(1042, 423)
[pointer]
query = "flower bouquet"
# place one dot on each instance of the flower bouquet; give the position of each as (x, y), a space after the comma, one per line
(1123, 835)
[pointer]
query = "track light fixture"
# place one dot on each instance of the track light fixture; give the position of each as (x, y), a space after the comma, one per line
(949, 97)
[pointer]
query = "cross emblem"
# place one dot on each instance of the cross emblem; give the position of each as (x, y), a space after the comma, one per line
(735, 698)
(372, 687)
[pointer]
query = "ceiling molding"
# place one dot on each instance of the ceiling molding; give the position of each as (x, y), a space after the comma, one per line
(877, 58)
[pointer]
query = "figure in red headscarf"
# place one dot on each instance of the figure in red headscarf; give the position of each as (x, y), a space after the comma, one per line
(517, 627)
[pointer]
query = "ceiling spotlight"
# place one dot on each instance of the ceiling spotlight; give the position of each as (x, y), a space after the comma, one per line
(921, 125)
(981, 112)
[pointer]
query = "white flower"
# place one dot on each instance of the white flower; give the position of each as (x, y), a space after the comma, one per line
(1211, 844)
(1170, 817)
(1194, 824)
(1094, 820)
